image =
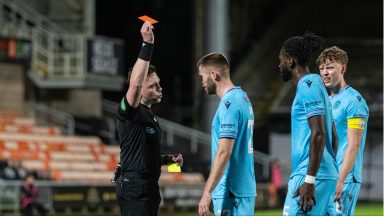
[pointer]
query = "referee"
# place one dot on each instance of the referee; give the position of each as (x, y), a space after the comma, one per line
(139, 132)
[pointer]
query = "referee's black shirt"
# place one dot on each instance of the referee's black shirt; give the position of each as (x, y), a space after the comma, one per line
(139, 136)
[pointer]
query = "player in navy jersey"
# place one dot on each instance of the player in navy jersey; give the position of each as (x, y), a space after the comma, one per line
(350, 113)
(314, 168)
(231, 184)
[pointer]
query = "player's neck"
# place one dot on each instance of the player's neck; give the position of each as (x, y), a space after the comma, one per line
(299, 72)
(339, 87)
(223, 87)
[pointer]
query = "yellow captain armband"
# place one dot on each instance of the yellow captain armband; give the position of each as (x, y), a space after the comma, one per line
(357, 123)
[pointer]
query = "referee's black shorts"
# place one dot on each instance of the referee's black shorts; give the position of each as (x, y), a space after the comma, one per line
(138, 194)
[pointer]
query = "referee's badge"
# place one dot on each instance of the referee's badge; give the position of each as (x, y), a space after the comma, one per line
(150, 130)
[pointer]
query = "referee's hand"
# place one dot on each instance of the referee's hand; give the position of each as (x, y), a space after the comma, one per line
(177, 158)
(147, 33)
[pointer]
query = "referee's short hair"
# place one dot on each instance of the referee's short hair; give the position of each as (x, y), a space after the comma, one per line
(151, 69)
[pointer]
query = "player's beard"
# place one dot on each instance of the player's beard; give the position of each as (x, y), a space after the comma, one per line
(211, 87)
(286, 74)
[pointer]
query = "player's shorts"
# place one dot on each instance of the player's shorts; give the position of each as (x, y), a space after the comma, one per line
(347, 203)
(324, 189)
(244, 206)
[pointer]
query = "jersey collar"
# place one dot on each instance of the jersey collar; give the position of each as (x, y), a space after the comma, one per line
(226, 93)
(340, 91)
(302, 78)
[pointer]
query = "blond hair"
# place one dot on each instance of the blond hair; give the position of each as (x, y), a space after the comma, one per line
(332, 54)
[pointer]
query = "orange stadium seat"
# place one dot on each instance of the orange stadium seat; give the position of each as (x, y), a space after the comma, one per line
(29, 129)
(67, 158)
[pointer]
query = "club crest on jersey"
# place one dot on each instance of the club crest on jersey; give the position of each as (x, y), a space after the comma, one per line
(309, 83)
(227, 104)
(150, 130)
(336, 105)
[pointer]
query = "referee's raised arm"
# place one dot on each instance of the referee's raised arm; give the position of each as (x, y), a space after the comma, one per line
(140, 69)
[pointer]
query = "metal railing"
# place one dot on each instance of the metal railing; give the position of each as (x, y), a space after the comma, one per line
(196, 137)
(59, 56)
(171, 129)
(56, 54)
(47, 115)
(10, 194)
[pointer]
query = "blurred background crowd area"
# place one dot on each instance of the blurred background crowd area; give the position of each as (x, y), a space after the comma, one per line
(63, 68)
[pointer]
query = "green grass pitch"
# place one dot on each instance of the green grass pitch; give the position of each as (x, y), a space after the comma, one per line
(362, 209)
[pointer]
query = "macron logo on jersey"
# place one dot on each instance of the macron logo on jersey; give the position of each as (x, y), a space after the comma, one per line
(309, 83)
(227, 104)
(358, 98)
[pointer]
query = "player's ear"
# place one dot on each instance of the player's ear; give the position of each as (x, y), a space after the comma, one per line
(344, 68)
(293, 63)
(213, 74)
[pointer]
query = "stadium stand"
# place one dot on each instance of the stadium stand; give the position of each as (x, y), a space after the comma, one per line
(67, 158)
(74, 171)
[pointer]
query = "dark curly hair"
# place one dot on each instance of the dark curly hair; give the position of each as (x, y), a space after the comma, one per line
(302, 47)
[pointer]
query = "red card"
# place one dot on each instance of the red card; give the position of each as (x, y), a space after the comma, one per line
(149, 19)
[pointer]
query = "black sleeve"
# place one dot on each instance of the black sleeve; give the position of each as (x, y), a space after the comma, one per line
(125, 110)
(165, 159)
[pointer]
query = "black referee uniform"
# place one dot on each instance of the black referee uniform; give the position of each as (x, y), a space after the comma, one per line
(139, 133)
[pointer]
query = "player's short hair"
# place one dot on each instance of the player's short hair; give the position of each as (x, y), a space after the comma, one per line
(332, 54)
(215, 59)
(302, 47)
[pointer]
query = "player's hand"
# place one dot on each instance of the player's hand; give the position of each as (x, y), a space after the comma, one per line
(147, 33)
(339, 190)
(307, 196)
(177, 158)
(204, 204)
